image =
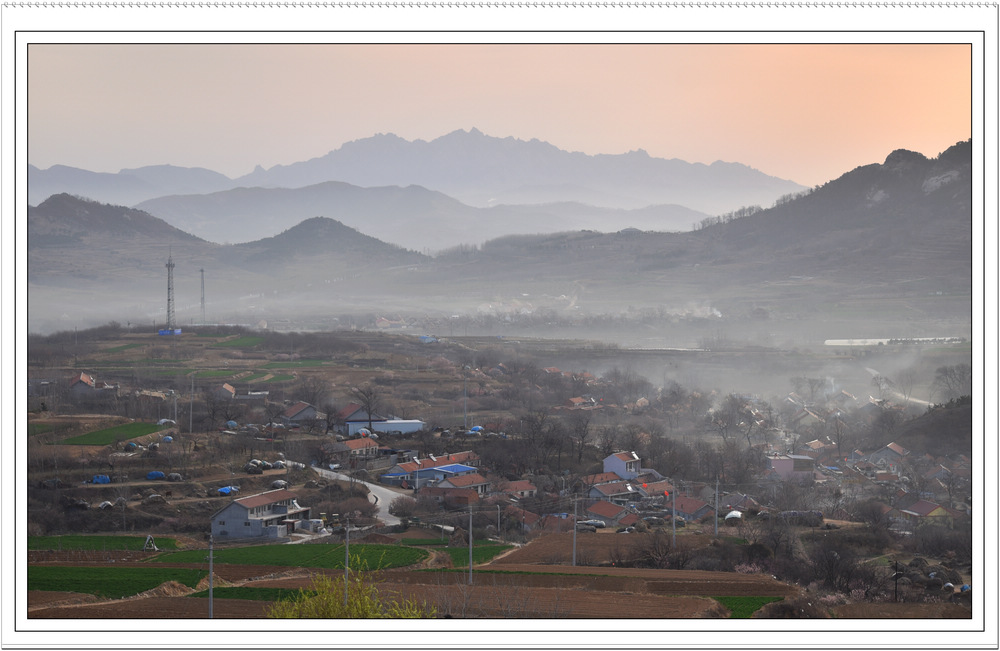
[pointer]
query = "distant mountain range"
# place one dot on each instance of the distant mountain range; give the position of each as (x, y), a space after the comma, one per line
(481, 170)
(885, 243)
(462, 188)
(412, 217)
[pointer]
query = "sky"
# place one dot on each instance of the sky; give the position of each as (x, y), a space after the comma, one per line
(807, 113)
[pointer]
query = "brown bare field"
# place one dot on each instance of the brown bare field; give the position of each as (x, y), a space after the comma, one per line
(591, 548)
(533, 581)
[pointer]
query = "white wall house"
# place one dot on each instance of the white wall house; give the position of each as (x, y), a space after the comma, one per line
(625, 464)
(273, 514)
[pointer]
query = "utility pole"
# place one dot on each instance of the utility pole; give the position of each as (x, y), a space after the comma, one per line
(210, 576)
(191, 408)
(574, 531)
(716, 506)
(202, 296)
(470, 544)
(347, 554)
(673, 515)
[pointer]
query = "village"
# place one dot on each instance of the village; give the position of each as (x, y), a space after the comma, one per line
(555, 453)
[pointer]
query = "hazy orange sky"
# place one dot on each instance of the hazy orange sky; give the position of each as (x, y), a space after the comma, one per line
(803, 112)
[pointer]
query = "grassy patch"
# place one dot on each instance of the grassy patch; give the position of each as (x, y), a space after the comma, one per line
(96, 543)
(109, 582)
(220, 373)
(118, 349)
(253, 594)
(480, 554)
(325, 556)
(34, 429)
(255, 376)
(241, 342)
(280, 378)
(112, 434)
(744, 607)
(301, 363)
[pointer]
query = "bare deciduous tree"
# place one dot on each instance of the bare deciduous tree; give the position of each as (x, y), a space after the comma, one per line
(369, 397)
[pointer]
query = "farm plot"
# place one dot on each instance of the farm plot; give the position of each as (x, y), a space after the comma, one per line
(108, 582)
(112, 434)
(591, 548)
(318, 555)
(96, 543)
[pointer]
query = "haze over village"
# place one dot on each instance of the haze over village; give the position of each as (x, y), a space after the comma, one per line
(524, 369)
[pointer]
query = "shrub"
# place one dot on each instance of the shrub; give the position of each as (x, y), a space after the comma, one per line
(403, 506)
(327, 599)
(798, 608)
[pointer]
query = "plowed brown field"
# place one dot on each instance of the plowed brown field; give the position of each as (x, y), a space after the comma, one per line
(534, 581)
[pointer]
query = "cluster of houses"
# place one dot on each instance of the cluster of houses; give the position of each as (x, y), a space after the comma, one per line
(619, 496)
(914, 488)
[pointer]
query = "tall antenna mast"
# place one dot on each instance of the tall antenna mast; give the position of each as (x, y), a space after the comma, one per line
(203, 297)
(170, 291)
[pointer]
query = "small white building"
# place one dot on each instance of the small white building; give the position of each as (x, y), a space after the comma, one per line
(273, 514)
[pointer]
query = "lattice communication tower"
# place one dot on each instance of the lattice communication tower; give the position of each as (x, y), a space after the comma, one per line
(170, 292)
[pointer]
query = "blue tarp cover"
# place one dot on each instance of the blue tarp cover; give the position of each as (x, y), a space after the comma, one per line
(155, 474)
(102, 479)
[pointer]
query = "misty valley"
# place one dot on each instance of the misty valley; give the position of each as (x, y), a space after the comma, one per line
(622, 364)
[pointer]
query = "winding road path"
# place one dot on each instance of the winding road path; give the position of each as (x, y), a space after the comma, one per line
(380, 495)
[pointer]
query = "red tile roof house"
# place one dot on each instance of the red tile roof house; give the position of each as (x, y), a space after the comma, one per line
(619, 492)
(474, 481)
(273, 514)
(467, 458)
(452, 498)
(82, 383)
(610, 513)
(226, 392)
(888, 456)
(520, 489)
(300, 412)
(689, 508)
(527, 519)
(600, 478)
(738, 502)
(926, 511)
(655, 489)
(355, 449)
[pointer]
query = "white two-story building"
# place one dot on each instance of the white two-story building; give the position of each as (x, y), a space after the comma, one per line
(273, 514)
